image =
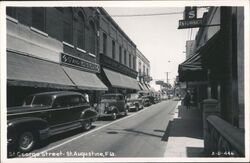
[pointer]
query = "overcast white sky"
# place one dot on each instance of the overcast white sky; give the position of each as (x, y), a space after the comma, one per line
(157, 37)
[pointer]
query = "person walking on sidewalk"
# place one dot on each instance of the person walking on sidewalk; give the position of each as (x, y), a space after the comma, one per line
(187, 99)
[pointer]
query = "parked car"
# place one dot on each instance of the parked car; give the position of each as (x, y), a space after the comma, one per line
(112, 105)
(135, 101)
(45, 114)
(146, 101)
(157, 97)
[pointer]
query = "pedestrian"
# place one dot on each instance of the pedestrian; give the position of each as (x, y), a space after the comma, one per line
(187, 99)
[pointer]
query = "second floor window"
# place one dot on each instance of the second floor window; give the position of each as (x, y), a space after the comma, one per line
(92, 38)
(80, 26)
(67, 26)
(134, 64)
(104, 42)
(38, 18)
(129, 60)
(125, 57)
(113, 49)
(11, 11)
(120, 54)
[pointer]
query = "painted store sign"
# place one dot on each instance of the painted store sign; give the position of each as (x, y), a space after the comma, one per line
(79, 63)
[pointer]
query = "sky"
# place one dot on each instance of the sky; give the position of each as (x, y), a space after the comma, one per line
(157, 37)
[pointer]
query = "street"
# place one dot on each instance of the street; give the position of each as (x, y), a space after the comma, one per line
(140, 134)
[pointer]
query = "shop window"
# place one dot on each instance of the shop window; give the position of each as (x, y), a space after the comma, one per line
(92, 38)
(39, 18)
(113, 49)
(11, 11)
(80, 26)
(104, 42)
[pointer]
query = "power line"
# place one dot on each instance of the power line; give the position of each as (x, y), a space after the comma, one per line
(152, 14)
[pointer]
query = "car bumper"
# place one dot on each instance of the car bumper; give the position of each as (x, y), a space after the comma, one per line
(106, 113)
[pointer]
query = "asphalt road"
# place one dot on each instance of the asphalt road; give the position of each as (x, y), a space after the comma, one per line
(140, 134)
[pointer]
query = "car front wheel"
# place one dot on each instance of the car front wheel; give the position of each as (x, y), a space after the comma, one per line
(26, 141)
(86, 125)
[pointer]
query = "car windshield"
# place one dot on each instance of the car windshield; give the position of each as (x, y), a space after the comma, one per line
(108, 97)
(132, 96)
(41, 100)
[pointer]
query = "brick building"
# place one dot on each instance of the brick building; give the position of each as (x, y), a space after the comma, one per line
(118, 56)
(50, 49)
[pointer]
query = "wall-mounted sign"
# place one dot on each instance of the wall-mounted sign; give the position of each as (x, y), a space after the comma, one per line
(190, 23)
(190, 19)
(190, 13)
(79, 63)
(159, 82)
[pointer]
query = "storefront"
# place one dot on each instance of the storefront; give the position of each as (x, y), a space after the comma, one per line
(27, 75)
(117, 77)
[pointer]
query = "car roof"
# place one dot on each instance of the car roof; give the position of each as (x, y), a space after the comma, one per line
(57, 93)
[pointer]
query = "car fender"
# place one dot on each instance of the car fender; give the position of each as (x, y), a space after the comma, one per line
(15, 126)
(89, 114)
(113, 109)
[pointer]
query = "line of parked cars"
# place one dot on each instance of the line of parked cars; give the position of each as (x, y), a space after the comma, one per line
(43, 115)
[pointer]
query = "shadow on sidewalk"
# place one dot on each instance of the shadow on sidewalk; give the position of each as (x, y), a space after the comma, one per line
(186, 133)
(187, 124)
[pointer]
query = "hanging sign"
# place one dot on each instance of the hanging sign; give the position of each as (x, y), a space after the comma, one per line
(190, 19)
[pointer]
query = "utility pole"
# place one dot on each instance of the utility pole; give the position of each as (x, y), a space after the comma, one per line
(167, 76)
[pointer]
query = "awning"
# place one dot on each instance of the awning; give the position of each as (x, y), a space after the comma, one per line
(24, 70)
(212, 51)
(84, 80)
(144, 87)
(140, 85)
(192, 70)
(121, 81)
(147, 85)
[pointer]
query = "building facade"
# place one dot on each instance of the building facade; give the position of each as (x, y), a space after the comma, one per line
(117, 56)
(143, 69)
(51, 49)
(216, 71)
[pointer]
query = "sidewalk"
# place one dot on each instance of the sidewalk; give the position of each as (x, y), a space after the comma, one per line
(185, 133)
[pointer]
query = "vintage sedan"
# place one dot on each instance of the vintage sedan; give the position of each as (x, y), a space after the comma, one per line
(135, 101)
(45, 114)
(146, 101)
(112, 105)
